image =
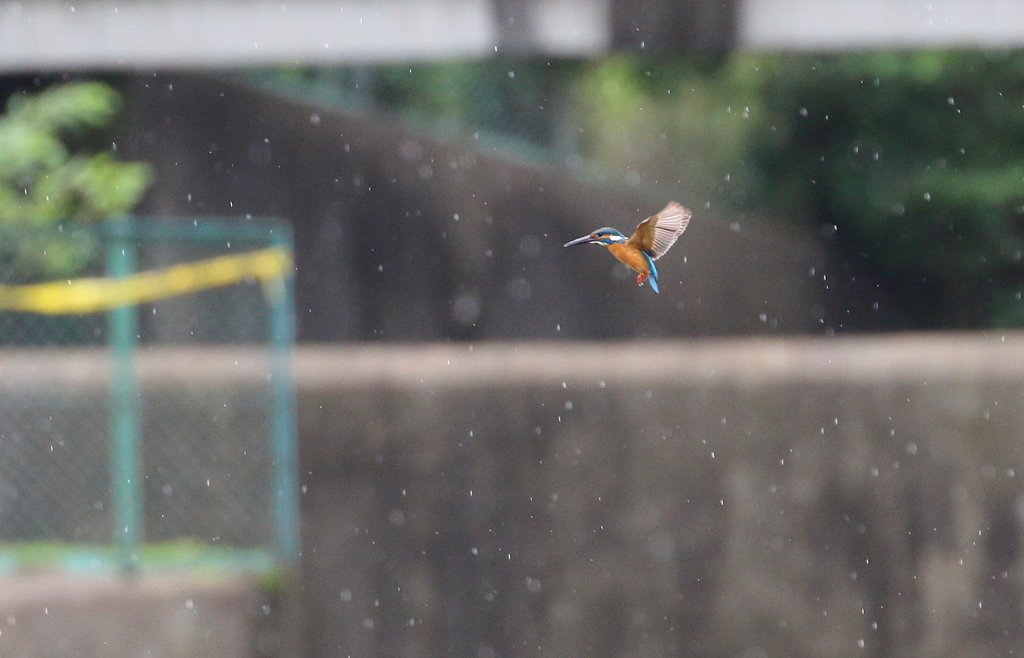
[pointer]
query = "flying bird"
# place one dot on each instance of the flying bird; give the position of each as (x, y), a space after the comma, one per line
(652, 238)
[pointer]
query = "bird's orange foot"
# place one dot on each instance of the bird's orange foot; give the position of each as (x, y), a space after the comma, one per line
(640, 278)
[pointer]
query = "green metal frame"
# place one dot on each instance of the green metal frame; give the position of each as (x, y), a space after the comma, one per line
(122, 234)
(125, 409)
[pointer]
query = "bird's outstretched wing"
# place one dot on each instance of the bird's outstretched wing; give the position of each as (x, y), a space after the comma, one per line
(656, 234)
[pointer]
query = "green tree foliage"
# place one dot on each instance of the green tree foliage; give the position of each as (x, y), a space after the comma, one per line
(917, 160)
(513, 97)
(50, 185)
(686, 121)
(912, 163)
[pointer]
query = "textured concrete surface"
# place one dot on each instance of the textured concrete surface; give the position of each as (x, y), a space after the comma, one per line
(798, 498)
(109, 616)
(745, 498)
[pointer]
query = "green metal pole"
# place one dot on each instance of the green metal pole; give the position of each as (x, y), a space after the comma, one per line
(286, 467)
(122, 327)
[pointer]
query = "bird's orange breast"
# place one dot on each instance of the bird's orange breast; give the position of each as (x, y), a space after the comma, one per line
(632, 258)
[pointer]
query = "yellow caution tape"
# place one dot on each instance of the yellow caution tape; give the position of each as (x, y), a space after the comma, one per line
(269, 266)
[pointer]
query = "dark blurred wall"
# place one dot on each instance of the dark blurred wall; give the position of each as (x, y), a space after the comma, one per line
(400, 236)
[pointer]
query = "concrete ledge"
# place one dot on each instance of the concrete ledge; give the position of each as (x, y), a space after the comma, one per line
(92, 34)
(108, 616)
(912, 358)
(905, 358)
(836, 24)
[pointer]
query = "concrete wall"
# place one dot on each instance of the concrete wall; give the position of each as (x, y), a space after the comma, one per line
(756, 497)
(741, 498)
(170, 615)
(402, 236)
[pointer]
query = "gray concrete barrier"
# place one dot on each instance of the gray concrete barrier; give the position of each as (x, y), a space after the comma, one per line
(109, 616)
(810, 497)
(712, 498)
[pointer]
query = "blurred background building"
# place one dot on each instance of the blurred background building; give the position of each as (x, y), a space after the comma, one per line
(172, 34)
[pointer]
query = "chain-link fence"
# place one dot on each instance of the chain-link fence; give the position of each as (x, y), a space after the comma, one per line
(147, 403)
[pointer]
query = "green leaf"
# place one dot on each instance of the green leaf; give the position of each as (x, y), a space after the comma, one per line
(50, 186)
(108, 187)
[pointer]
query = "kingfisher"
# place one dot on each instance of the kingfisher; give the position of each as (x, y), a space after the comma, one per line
(652, 238)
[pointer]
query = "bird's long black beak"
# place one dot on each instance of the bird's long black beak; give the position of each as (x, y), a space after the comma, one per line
(585, 238)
